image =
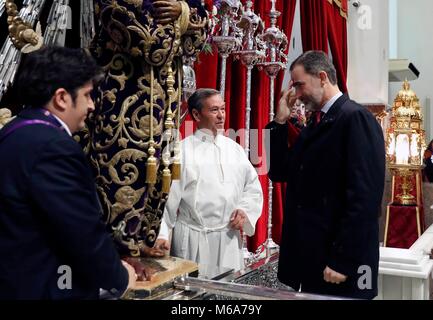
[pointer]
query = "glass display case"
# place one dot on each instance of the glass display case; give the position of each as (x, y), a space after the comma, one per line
(256, 282)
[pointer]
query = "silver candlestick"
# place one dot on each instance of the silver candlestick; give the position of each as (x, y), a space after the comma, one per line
(228, 36)
(189, 84)
(252, 52)
(276, 60)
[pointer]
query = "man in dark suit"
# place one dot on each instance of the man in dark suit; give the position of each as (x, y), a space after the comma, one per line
(335, 178)
(53, 244)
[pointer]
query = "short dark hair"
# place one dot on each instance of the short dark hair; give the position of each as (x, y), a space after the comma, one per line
(43, 72)
(197, 98)
(314, 62)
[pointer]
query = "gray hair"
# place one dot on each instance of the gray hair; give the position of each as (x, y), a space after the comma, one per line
(197, 98)
(315, 62)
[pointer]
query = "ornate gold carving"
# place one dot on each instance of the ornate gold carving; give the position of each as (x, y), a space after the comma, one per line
(377, 109)
(129, 170)
(183, 20)
(405, 143)
(21, 33)
(406, 104)
(126, 197)
(406, 197)
(406, 128)
(151, 164)
(5, 116)
(176, 166)
(137, 104)
(136, 3)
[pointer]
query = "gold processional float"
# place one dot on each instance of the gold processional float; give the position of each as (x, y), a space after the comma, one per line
(405, 145)
(24, 38)
(172, 278)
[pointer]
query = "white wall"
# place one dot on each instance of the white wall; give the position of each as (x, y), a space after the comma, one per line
(393, 29)
(415, 42)
(295, 48)
(397, 29)
(368, 47)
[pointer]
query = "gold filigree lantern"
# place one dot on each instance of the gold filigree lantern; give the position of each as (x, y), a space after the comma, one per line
(405, 144)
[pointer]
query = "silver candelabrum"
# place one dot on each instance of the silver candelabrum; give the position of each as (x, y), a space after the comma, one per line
(252, 52)
(189, 84)
(276, 60)
(226, 35)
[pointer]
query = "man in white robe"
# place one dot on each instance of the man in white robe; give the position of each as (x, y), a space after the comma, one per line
(218, 194)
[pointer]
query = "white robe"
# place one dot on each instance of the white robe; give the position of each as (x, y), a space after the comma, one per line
(217, 178)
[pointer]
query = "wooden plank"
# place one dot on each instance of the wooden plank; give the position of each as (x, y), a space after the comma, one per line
(167, 269)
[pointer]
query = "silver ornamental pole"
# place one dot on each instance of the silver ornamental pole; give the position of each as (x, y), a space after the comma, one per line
(253, 52)
(276, 43)
(227, 37)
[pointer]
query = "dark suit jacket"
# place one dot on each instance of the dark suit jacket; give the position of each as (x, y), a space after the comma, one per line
(335, 173)
(49, 217)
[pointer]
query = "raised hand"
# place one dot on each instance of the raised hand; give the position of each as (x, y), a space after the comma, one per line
(287, 101)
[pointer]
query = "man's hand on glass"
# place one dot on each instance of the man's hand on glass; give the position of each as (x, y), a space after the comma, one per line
(162, 244)
(154, 252)
(142, 272)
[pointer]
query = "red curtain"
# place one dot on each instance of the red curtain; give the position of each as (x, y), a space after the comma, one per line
(314, 25)
(285, 24)
(323, 26)
(337, 36)
(207, 73)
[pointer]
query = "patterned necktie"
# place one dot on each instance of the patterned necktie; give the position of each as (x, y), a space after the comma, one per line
(318, 115)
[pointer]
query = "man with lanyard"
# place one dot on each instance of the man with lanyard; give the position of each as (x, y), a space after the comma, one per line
(53, 243)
